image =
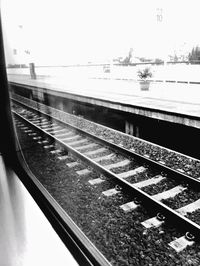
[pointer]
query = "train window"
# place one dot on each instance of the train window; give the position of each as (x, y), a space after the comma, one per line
(94, 87)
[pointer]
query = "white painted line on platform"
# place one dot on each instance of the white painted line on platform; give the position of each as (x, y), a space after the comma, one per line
(132, 172)
(83, 172)
(92, 145)
(106, 157)
(180, 243)
(152, 222)
(96, 181)
(88, 153)
(55, 152)
(169, 193)
(189, 208)
(148, 182)
(72, 164)
(129, 206)
(110, 192)
(119, 164)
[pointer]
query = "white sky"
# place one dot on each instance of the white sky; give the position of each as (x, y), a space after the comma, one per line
(72, 31)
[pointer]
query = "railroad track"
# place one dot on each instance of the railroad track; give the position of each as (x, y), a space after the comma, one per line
(153, 184)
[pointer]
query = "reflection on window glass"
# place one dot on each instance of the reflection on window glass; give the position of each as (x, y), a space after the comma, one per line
(84, 78)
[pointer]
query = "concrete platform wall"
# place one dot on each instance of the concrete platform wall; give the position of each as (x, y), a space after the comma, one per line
(175, 132)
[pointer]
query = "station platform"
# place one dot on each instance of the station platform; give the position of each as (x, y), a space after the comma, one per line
(171, 102)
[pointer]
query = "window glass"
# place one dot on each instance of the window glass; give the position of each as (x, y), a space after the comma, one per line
(85, 67)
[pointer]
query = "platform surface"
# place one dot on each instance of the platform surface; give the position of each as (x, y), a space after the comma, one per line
(178, 98)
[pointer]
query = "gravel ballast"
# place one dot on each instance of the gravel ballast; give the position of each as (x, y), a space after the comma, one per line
(119, 236)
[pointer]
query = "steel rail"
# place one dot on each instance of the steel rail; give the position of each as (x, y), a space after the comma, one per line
(175, 174)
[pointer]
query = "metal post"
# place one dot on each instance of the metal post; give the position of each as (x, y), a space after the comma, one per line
(32, 70)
